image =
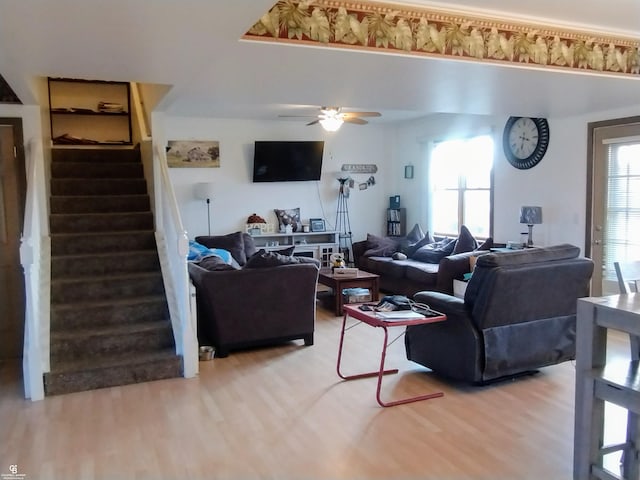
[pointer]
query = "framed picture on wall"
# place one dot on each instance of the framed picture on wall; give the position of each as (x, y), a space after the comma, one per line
(316, 225)
(193, 154)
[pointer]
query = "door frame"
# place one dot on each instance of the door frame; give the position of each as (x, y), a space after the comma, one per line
(592, 189)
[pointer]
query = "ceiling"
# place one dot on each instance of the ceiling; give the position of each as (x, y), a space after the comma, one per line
(195, 47)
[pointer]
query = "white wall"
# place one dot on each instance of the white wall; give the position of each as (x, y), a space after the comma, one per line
(557, 183)
(236, 197)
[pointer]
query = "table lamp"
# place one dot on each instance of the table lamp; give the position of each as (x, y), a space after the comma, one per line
(531, 216)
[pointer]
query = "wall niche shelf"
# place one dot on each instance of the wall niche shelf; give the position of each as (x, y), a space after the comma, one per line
(89, 112)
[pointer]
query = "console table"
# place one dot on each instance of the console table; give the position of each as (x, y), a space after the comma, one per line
(598, 382)
(318, 245)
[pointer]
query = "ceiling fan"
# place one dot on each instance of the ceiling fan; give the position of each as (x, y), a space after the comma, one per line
(331, 118)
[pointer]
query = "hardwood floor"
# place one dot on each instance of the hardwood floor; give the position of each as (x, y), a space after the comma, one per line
(282, 413)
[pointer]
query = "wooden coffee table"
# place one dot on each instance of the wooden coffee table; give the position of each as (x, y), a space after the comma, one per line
(339, 282)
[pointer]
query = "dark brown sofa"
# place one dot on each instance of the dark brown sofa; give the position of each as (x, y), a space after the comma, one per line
(415, 273)
(257, 304)
(518, 314)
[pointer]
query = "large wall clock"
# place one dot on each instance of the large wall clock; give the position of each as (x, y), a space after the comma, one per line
(525, 141)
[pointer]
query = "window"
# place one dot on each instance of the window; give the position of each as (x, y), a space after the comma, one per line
(460, 186)
(622, 232)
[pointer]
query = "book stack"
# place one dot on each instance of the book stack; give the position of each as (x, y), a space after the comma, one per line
(110, 107)
(356, 295)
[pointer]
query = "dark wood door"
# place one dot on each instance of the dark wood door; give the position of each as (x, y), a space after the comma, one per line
(12, 194)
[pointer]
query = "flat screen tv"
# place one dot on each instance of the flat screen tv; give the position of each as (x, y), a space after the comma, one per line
(296, 161)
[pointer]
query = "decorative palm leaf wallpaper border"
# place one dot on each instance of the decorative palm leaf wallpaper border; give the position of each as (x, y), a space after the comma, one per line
(419, 31)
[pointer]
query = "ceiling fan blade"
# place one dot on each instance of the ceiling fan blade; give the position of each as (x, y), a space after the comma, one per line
(357, 121)
(297, 116)
(314, 122)
(361, 114)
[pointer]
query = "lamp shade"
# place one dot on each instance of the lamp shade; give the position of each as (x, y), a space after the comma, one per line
(531, 215)
(203, 191)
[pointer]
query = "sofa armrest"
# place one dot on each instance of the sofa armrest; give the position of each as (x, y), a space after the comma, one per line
(452, 348)
(443, 303)
(454, 267)
(358, 249)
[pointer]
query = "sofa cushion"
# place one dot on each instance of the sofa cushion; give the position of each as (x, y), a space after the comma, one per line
(465, 242)
(387, 266)
(380, 246)
(216, 263)
(234, 242)
(264, 259)
(434, 252)
(425, 273)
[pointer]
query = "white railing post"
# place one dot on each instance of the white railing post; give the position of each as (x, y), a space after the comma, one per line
(173, 247)
(35, 253)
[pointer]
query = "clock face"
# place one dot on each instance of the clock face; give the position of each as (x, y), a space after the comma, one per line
(525, 141)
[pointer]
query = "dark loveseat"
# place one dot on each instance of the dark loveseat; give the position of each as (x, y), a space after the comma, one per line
(268, 300)
(423, 268)
(518, 314)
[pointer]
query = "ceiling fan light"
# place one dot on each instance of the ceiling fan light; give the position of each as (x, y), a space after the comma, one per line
(331, 124)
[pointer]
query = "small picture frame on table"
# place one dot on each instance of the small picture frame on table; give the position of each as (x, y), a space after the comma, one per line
(316, 225)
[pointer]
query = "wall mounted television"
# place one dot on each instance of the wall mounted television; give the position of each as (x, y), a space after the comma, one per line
(294, 161)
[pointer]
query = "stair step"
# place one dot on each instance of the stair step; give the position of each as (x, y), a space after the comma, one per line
(96, 170)
(98, 186)
(103, 242)
(100, 222)
(104, 263)
(92, 155)
(111, 371)
(112, 312)
(99, 203)
(82, 343)
(110, 322)
(80, 289)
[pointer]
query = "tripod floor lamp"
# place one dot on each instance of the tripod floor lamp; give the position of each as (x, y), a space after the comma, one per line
(204, 191)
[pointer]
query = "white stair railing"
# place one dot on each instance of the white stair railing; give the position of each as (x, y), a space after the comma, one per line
(35, 257)
(173, 247)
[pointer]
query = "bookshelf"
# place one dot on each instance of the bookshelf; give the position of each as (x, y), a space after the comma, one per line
(396, 222)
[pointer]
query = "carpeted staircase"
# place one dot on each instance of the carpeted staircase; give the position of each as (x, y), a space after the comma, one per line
(109, 316)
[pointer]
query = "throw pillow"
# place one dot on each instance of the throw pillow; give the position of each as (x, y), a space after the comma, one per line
(426, 240)
(486, 245)
(465, 242)
(234, 242)
(249, 245)
(289, 217)
(415, 235)
(214, 263)
(264, 259)
(287, 252)
(434, 252)
(380, 246)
